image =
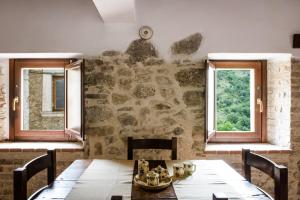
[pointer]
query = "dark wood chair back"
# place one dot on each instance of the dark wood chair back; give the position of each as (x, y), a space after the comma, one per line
(152, 144)
(116, 197)
(219, 196)
(279, 173)
(23, 174)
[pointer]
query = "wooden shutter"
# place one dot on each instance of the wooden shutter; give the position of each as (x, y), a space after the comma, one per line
(74, 106)
(210, 100)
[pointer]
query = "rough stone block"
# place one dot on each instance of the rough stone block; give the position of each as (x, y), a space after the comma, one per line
(143, 91)
(119, 98)
(98, 114)
(127, 120)
(191, 77)
(140, 49)
(193, 98)
(188, 45)
(163, 80)
(125, 83)
(100, 131)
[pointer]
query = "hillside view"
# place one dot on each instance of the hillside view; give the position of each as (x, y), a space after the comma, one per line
(233, 100)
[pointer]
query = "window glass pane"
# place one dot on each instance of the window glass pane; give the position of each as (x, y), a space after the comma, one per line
(59, 99)
(74, 99)
(234, 100)
(37, 94)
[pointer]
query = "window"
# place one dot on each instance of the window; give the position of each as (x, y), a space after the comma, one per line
(36, 94)
(46, 101)
(58, 93)
(236, 97)
(53, 92)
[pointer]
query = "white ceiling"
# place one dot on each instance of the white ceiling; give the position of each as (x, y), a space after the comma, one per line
(116, 11)
(231, 26)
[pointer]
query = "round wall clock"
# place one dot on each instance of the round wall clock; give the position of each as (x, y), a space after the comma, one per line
(145, 32)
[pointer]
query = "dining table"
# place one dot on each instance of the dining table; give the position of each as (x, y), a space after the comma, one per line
(99, 179)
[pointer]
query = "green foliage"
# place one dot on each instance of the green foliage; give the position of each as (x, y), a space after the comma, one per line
(233, 100)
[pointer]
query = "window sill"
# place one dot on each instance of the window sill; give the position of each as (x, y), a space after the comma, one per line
(52, 114)
(40, 146)
(263, 148)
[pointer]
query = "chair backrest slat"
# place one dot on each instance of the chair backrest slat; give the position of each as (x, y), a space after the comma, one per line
(116, 197)
(261, 163)
(23, 174)
(278, 173)
(152, 144)
(36, 165)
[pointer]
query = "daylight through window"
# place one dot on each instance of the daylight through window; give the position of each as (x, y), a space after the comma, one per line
(235, 101)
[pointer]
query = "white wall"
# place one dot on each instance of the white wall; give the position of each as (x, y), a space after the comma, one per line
(258, 26)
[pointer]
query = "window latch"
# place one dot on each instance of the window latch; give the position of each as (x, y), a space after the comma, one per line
(15, 101)
(261, 105)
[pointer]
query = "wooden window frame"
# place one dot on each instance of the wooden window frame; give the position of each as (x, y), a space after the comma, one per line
(54, 78)
(259, 135)
(75, 134)
(14, 126)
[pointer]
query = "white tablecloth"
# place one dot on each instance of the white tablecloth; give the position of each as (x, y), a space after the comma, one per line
(104, 178)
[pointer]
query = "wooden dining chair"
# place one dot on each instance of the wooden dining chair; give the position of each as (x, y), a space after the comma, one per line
(278, 173)
(23, 174)
(116, 197)
(170, 144)
(219, 196)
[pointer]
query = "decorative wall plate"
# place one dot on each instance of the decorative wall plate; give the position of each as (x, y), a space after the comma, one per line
(145, 32)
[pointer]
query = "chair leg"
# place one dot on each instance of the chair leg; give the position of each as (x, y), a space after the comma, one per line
(52, 169)
(174, 148)
(129, 148)
(246, 167)
(281, 183)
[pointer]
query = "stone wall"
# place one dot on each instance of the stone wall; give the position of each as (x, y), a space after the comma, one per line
(138, 94)
(279, 101)
(294, 170)
(10, 160)
(38, 119)
(145, 99)
(2, 104)
(3, 99)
